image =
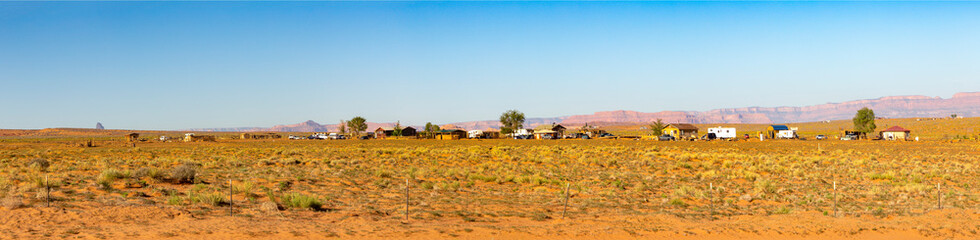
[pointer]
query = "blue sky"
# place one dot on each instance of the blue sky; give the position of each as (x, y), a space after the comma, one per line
(158, 65)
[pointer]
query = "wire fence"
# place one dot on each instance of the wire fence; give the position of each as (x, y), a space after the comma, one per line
(712, 201)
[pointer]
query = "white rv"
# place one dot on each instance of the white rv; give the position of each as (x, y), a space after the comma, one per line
(786, 134)
(474, 134)
(723, 132)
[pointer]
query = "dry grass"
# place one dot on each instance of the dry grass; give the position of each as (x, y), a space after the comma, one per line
(490, 181)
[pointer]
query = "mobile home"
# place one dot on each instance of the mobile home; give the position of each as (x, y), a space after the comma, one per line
(723, 132)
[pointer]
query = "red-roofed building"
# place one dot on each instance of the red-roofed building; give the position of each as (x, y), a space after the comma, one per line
(895, 133)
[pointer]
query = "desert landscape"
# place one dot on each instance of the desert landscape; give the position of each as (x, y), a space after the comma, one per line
(54, 187)
(713, 120)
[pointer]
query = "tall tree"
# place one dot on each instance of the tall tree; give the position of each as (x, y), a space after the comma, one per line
(342, 128)
(398, 129)
(511, 121)
(357, 125)
(430, 129)
(658, 127)
(864, 121)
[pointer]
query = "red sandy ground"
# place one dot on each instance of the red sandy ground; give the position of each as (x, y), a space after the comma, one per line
(162, 222)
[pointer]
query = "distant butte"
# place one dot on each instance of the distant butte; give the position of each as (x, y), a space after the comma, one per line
(962, 104)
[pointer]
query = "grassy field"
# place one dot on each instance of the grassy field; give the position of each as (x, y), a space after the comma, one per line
(479, 188)
(925, 128)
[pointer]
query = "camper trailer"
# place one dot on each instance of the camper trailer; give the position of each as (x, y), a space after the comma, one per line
(786, 134)
(474, 134)
(723, 132)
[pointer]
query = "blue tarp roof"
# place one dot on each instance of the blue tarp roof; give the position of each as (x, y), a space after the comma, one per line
(779, 127)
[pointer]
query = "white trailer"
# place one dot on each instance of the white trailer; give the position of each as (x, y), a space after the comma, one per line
(786, 134)
(474, 134)
(723, 132)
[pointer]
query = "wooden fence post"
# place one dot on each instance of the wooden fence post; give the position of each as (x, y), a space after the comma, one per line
(231, 199)
(835, 198)
(47, 192)
(565, 209)
(407, 187)
(711, 199)
(939, 196)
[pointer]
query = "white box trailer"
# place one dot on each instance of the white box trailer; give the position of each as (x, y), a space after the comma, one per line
(786, 134)
(474, 134)
(723, 132)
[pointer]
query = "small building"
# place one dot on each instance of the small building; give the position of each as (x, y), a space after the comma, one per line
(681, 131)
(409, 132)
(590, 131)
(260, 136)
(133, 137)
(779, 131)
(191, 137)
(723, 132)
(549, 131)
(383, 132)
(450, 134)
(547, 134)
(895, 133)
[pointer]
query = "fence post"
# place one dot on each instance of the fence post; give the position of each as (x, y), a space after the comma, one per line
(711, 199)
(565, 209)
(231, 199)
(939, 196)
(835, 198)
(47, 192)
(407, 187)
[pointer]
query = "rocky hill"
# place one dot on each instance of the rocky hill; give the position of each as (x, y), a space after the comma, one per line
(962, 104)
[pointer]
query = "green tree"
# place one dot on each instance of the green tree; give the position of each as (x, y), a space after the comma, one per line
(431, 129)
(357, 125)
(864, 121)
(398, 129)
(511, 120)
(657, 127)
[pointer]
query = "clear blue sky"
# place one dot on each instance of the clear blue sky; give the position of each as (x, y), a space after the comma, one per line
(153, 65)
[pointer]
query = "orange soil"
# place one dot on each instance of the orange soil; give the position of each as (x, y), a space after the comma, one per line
(155, 222)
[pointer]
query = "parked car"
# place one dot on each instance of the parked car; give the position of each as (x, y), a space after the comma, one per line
(710, 136)
(523, 137)
(821, 137)
(666, 137)
(335, 136)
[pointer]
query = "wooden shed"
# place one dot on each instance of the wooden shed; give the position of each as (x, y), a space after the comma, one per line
(133, 137)
(383, 132)
(450, 134)
(681, 131)
(773, 131)
(190, 137)
(260, 136)
(549, 131)
(895, 133)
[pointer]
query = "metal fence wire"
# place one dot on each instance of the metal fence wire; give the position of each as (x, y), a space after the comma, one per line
(711, 201)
